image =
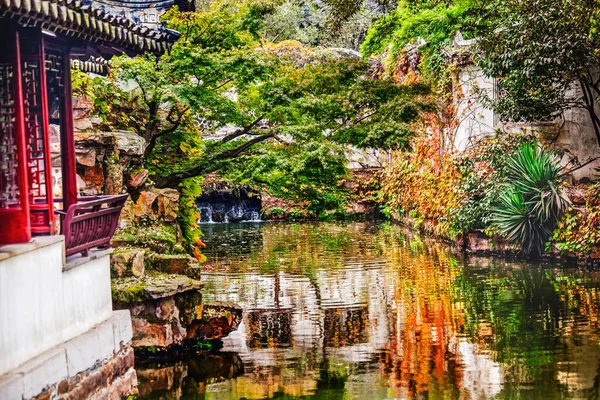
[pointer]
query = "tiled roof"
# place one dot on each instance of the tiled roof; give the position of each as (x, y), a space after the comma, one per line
(89, 22)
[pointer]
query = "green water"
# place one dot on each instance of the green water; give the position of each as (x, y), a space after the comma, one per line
(368, 311)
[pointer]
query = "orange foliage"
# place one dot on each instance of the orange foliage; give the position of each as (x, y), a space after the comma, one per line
(423, 183)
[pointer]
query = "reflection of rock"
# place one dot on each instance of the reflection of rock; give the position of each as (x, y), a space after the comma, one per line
(346, 326)
(269, 328)
(215, 320)
(187, 378)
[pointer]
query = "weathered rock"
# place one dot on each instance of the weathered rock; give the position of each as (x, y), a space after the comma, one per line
(158, 204)
(167, 310)
(82, 107)
(136, 178)
(94, 177)
(82, 124)
(86, 156)
(128, 262)
(171, 263)
(143, 205)
(130, 143)
(157, 236)
(132, 290)
(113, 183)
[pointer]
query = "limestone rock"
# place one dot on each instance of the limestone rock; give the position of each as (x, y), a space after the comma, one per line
(94, 177)
(132, 290)
(160, 237)
(148, 334)
(82, 107)
(129, 143)
(86, 156)
(82, 124)
(128, 262)
(158, 204)
(171, 263)
(136, 178)
(114, 175)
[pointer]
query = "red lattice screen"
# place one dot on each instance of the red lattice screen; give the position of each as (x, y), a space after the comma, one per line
(36, 132)
(14, 208)
(9, 187)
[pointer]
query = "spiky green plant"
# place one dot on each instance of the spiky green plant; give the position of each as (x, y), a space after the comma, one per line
(534, 199)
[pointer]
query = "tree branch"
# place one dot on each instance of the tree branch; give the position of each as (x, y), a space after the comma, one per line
(240, 149)
(209, 165)
(174, 125)
(243, 131)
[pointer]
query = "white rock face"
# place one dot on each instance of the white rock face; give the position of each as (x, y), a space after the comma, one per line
(129, 143)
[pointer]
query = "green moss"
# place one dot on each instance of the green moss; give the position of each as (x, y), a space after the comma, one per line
(127, 290)
(158, 237)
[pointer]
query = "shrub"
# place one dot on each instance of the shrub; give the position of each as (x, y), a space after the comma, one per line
(578, 231)
(534, 199)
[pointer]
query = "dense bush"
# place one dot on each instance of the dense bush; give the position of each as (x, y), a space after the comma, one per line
(423, 184)
(534, 198)
(578, 231)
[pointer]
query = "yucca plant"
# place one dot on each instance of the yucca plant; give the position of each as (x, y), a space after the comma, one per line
(534, 199)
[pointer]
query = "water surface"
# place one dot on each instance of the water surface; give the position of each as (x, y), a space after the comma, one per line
(368, 311)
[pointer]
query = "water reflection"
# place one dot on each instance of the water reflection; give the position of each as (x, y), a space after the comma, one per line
(368, 311)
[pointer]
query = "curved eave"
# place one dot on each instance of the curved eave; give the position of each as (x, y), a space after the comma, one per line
(72, 18)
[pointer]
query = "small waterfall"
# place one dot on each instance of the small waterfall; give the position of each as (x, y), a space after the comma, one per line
(224, 206)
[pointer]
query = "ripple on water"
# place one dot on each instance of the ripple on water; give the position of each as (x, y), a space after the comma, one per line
(369, 311)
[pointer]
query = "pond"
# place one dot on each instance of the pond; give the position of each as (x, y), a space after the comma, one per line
(370, 311)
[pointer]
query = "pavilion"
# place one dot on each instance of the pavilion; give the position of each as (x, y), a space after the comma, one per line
(56, 317)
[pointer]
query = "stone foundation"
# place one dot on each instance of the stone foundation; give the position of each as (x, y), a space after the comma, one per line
(97, 364)
(113, 378)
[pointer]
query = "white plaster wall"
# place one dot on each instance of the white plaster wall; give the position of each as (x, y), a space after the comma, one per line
(474, 120)
(42, 306)
(579, 139)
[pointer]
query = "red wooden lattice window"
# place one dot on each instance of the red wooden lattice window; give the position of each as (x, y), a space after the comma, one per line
(36, 132)
(26, 204)
(14, 207)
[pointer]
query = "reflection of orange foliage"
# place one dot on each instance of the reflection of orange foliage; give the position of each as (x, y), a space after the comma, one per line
(429, 322)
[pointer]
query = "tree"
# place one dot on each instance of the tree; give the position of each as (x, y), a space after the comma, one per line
(283, 106)
(547, 56)
(433, 24)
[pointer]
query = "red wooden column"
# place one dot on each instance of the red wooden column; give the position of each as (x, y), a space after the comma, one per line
(14, 203)
(67, 136)
(39, 162)
(58, 71)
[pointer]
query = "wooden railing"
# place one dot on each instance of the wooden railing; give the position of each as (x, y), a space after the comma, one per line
(90, 223)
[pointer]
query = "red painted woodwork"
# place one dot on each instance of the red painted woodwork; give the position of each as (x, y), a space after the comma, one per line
(59, 89)
(91, 223)
(70, 191)
(39, 165)
(14, 206)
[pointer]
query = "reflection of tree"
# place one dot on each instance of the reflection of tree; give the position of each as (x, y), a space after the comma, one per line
(470, 329)
(541, 324)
